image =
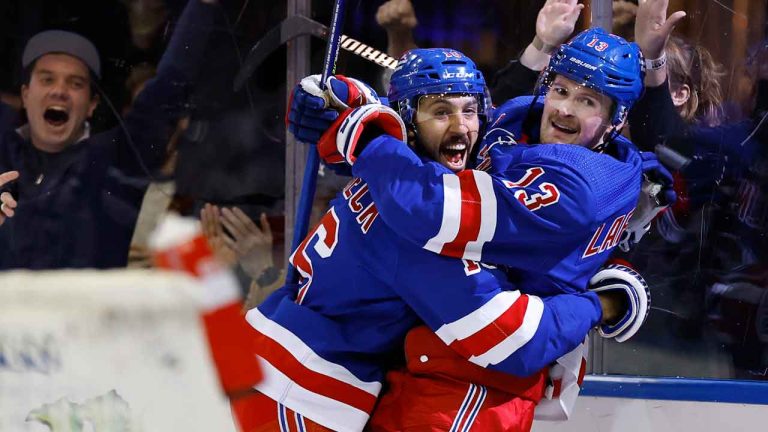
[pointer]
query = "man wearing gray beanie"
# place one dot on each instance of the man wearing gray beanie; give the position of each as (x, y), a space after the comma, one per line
(71, 205)
(60, 69)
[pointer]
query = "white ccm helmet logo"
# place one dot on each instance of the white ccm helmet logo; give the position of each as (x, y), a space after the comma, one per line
(460, 74)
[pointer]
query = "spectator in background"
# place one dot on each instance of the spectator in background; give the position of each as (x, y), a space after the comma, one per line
(681, 87)
(624, 13)
(708, 256)
(8, 203)
(398, 18)
(694, 81)
(555, 22)
(236, 239)
(75, 207)
(160, 191)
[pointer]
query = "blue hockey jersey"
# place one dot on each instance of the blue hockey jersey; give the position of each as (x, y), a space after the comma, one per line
(551, 213)
(327, 342)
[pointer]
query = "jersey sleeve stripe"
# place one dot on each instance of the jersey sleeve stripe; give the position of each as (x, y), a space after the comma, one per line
(470, 215)
(327, 411)
(478, 319)
(321, 384)
(487, 222)
(278, 345)
(494, 333)
(516, 340)
(449, 226)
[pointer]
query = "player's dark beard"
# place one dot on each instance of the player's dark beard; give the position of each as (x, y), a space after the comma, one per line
(420, 149)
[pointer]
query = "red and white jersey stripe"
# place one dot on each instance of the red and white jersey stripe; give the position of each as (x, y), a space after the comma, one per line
(323, 391)
(493, 332)
(469, 216)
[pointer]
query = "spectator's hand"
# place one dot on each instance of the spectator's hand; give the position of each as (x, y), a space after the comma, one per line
(556, 21)
(210, 221)
(398, 18)
(652, 27)
(623, 23)
(252, 244)
(7, 203)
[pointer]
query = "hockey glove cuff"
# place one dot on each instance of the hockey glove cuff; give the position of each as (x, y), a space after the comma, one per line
(622, 280)
(350, 133)
(345, 92)
(340, 92)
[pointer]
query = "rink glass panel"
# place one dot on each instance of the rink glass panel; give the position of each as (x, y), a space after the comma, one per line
(710, 309)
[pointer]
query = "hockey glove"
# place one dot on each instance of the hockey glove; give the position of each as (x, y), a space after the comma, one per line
(655, 172)
(671, 225)
(657, 193)
(622, 280)
(354, 128)
(312, 110)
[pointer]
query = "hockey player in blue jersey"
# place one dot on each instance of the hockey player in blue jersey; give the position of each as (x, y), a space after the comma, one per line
(327, 342)
(541, 209)
(541, 212)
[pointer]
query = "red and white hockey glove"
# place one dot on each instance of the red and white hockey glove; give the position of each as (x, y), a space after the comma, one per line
(340, 92)
(354, 128)
(311, 110)
(616, 278)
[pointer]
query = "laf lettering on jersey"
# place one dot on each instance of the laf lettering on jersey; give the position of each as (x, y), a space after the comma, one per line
(360, 203)
(603, 240)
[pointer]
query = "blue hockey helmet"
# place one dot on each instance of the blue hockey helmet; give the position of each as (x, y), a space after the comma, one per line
(603, 62)
(434, 71)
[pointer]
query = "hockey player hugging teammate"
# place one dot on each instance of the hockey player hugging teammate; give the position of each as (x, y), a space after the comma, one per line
(402, 245)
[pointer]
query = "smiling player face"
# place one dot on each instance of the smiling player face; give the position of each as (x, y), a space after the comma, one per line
(574, 114)
(447, 128)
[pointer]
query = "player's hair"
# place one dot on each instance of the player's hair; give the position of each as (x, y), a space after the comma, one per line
(694, 65)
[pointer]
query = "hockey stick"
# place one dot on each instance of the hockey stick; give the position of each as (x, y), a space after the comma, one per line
(313, 159)
(671, 158)
(296, 26)
(358, 48)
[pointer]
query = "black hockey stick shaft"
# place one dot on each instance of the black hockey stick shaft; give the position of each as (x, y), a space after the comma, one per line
(313, 159)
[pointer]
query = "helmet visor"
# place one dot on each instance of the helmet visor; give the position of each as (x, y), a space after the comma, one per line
(579, 100)
(450, 107)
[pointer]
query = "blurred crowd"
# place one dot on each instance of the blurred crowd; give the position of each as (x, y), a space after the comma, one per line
(145, 120)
